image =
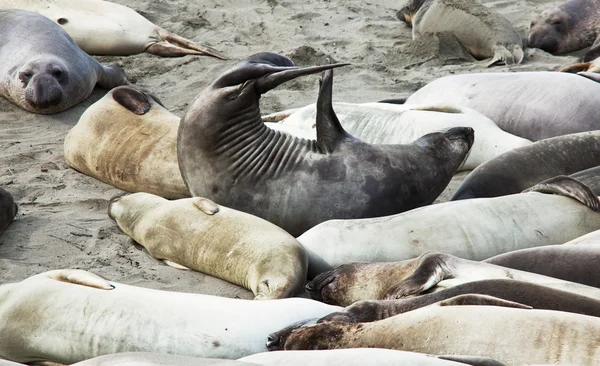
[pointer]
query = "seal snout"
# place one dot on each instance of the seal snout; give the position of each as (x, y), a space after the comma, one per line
(543, 40)
(465, 133)
(44, 90)
(114, 200)
(272, 342)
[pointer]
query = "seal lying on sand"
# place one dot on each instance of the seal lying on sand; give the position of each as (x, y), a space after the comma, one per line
(384, 123)
(482, 31)
(227, 154)
(521, 168)
(532, 105)
(472, 229)
(42, 70)
(198, 234)
(8, 209)
(105, 28)
(128, 140)
(85, 308)
(568, 27)
(156, 359)
(543, 336)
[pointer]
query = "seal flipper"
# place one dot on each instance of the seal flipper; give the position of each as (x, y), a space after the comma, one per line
(132, 99)
(431, 270)
(478, 299)
(80, 277)
(205, 205)
(399, 100)
(576, 68)
(568, 187)
(503, 54)
(471, 360)
(172, 45)
(174, 265)
(330, 132)
(110, 77)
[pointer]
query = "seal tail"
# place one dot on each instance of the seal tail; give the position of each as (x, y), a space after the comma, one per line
(172, 45)
(568, 187)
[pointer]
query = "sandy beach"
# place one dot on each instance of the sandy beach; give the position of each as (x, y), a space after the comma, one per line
(62, 220)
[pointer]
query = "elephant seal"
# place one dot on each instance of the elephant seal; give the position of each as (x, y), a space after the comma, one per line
(385, 123)
(42, 70)
(358, 357)
(435, 271)
(483, 32)
(532, 105)
(543, 336)
(134, 319)
(472, 229)
(523, 167)
(536, 296)
(568, 27)
(128, 140)
(197, 233)
(156, 359)
(227, 154)
(105, 28)
(8, 209)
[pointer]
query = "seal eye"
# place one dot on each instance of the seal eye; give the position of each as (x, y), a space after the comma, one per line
(62, 21)
(25, 76)
(533, 23)
(58, 74)
(556, 23)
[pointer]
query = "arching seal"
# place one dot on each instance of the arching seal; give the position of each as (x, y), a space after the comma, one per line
(543, 336)
(197, 233)
(360, 356)
(105, 28)
(156, 359)
(128, 140)
(521, 168)
(482, 31)
(567, 27)
(536, 296)
(532, 105)
(384, 123)
(42, 70)
(227, 154)
(472, 229)
(134, 319)
(8, 209)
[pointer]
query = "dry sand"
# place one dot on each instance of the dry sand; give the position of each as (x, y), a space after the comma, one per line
(63, 222)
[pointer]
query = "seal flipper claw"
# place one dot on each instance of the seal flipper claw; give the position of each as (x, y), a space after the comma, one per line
(568, 187)
(205, 205)
(80, 277)
(316, 286)
(330, 132)
(430, 271)
(477, 299)
(471, 360)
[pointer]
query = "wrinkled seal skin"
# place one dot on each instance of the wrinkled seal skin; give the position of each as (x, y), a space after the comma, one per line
(571, 26)
(523, 167)
(482, 31)
(536, 296)
(105, 28)
(42, 70)
(198, 234)
(68, 316)
(227, 154)
(543, 336)
(532, 105)
(8, 209)
(128, 140)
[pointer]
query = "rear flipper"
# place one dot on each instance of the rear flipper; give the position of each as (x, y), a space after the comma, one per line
(431, 270)
(568, 187)
(80, 277)
(508, 55)
(172, 45)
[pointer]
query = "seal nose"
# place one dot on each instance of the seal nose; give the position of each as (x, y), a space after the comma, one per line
(112, 201)
(466, 133)
(542, 40)
(272, 342)
(44, 91)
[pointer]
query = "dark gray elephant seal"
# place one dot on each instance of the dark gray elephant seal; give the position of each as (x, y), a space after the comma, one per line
(42, 70)
(227, 154)
(536, 296)
(568, 27)
(532, 105)
(482, 31)
(521, 168)
(8, 209)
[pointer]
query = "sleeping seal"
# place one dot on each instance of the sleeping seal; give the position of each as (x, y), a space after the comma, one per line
(105, 28)
(198, 234)
(227, 154)
(42, 70)
(482, 31)
(95, 317)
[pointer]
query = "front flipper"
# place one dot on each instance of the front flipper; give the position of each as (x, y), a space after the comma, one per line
(80, 277)
(278, 116)
(477, 299)
(205, 205)
(431, 270)
(568, 187)
(172, 45)
(111, 76)
(504, 55)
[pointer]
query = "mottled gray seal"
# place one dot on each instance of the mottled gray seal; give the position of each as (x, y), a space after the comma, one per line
(198, 234)
(521, 168)
(227, 154)
(42, 70)
(105, 28)
(532, 105)
(8, 209)
(95, 317)
(567, 27)
(482, 31)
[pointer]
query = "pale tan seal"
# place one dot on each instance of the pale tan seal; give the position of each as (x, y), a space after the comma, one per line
(156, 359)
(482, 31)
(128, 140)
(197, 233)
(105, 28)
